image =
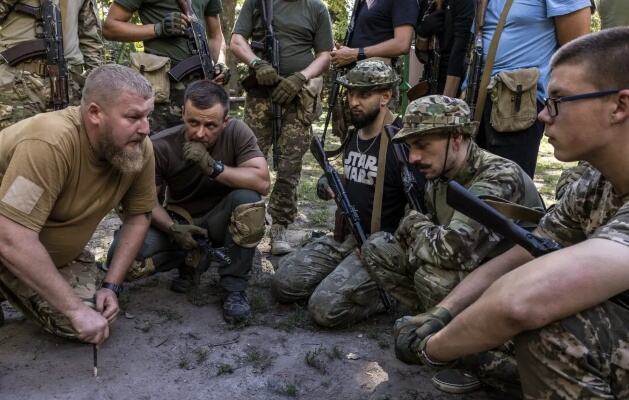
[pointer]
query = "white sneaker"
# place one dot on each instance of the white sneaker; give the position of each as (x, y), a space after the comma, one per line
(279, 244)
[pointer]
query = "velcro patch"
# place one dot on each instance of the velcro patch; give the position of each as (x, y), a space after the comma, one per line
(23, 194)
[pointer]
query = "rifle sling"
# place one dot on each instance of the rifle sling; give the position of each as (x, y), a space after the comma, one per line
(491, 56)
(376, 211)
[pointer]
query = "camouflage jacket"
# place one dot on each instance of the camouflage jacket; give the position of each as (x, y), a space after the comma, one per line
(450, 240)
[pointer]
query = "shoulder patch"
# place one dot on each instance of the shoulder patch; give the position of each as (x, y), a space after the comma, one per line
(23, 194)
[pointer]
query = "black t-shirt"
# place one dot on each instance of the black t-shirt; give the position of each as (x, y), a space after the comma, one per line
(360, 171)
(375, 24)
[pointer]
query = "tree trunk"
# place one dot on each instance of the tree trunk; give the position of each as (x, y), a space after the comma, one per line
(228, 18)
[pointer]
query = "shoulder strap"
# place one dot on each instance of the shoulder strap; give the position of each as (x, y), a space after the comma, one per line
(513, 210)
(376, 211)
(491, 56)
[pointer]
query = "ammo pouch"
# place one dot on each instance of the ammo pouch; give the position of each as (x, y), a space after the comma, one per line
(155, 70)
(309, 107)
(514, 99)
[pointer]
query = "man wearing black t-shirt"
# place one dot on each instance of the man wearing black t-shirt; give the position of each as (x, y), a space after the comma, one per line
(327, 271)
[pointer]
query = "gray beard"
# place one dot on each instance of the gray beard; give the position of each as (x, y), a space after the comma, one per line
(126, 161)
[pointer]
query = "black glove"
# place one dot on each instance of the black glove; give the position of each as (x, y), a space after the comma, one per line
(220, 68)
(409, 332)
(432, 24)
(173, 24)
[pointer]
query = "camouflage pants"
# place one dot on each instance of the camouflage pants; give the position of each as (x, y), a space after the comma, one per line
(585, 356)
(84, 278)
(331, 275)
(24, 94)
(419, 287)
(292, 144)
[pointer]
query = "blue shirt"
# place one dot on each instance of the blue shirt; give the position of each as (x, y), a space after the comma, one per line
(529, 37)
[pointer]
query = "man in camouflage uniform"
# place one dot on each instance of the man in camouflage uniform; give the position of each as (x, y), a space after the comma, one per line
(25, 88)
(304, 32)
(328, 271)
(60, 174)
(163, 33)
(431, 252)
(568, 310)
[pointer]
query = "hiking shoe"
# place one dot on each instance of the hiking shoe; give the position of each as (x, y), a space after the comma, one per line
(279, 244)
(182, 283)
(455, 381)
(236, 307)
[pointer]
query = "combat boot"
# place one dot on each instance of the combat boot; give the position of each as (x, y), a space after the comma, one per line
(279, 244)
(236, 307)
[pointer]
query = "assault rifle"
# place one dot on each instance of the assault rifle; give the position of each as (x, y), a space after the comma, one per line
(51, 47)
(429, 81)
(197, 39)
(199, 260)
(411, 189)
(342, 201)
(475, 67)
(336, 87)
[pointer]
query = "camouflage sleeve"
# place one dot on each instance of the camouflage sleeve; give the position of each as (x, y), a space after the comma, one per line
(617, 228)
(464, 243)
(90, 36)
(568, 177)
(5, 8)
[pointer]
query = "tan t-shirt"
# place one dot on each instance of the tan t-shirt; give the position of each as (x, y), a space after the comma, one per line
(52, 182)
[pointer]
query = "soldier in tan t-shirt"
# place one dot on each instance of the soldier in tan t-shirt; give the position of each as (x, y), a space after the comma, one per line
(61, 173)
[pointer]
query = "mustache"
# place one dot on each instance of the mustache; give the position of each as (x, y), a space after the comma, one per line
(421, 166)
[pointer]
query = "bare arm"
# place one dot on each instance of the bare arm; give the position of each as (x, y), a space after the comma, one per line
(241, 49)
(573, 25)
(215, 38)
(534, 295)
(252, 174)
(399, 45)
(318, 66)
(118, 28)
(452, 85)
(25, 256)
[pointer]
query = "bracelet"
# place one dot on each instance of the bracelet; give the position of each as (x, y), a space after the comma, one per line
(361, 54)
(117, 289)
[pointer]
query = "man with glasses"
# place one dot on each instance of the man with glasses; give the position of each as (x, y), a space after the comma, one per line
(568, 310)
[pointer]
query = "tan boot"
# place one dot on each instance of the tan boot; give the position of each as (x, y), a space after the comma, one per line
(279, 244)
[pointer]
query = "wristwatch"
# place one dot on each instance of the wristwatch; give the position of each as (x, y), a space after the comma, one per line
(117, 289)
(361, 54)
(217, 168)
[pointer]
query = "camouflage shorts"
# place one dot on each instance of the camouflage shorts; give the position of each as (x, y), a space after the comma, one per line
(331, 275)
(84, 278)
(585, 356)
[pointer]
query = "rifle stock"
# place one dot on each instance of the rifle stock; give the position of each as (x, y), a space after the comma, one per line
(465, 202)
(346, 208)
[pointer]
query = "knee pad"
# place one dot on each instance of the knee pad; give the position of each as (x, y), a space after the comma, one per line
(140, 269)
(247, 224)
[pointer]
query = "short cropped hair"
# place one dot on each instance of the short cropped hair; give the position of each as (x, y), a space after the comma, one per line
(205, 94)
(604, 55)
(105, 83)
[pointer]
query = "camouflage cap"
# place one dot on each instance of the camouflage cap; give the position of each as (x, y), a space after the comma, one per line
(436, 114)
(369, 74)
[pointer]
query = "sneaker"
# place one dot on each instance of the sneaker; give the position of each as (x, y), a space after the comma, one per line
(455, 381)
(236, 307)
(279, 244)
(182, 283)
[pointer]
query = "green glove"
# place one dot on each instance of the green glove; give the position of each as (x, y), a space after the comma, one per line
(173, 24)
(196, 152)
(183, 235)
(288, 88)
(266, 75)
(409, 332)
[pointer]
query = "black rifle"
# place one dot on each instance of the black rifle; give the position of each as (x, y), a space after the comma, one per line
(197, 39)
(51, 47)
(475, 67)
(429, 82)
(199, 260)
(342, 201)
(336, 87)
(411, 188)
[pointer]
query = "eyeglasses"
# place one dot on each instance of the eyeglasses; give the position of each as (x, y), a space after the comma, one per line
(552, 103)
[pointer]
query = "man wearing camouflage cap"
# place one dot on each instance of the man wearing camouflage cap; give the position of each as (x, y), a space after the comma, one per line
(328, 271)
(430, 253)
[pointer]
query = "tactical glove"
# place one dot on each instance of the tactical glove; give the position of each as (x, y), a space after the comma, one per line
(288, 88)
(173, 24)
(432, 24)
(409, 332)
(182, 234)
(266, 75)
(196, 152)
(220, 68)
(323, 188)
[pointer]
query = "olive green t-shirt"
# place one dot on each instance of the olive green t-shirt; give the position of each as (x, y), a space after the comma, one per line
(153, 11)
(188, 186)
(302, 28)
(52, 182)
(613, 13)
